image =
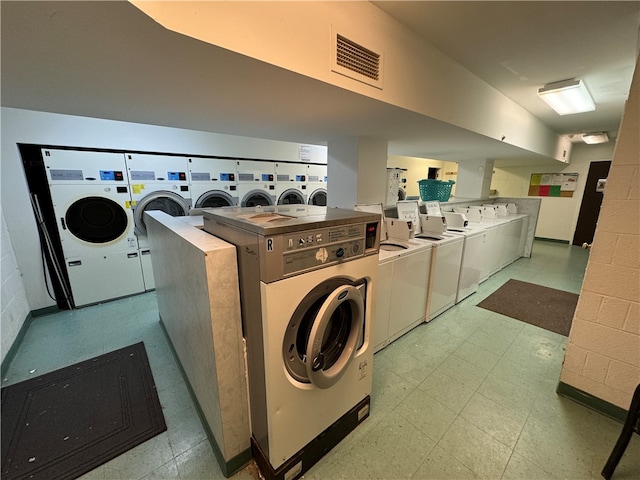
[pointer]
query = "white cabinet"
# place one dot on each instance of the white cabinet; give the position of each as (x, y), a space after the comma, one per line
(446, 273)
(401, 296)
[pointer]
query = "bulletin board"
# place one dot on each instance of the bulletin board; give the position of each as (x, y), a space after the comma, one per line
(553, 184)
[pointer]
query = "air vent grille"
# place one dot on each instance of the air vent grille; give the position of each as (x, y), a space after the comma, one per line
(358, 59)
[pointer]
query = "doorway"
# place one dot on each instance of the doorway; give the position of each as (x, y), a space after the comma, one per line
(591, 202)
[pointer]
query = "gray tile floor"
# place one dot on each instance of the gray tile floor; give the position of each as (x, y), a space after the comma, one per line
(469, 395)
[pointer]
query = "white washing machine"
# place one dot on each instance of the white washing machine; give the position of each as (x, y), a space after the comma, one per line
(471, 261)
(317, 184)
(307, 275)
(158, 182)
(213, 182)
(92, 204)
(256, 183)
(291, 183)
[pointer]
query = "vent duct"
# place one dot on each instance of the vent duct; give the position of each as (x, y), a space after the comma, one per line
(357, 62)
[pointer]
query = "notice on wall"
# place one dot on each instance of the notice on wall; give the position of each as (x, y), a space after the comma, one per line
(553, 184)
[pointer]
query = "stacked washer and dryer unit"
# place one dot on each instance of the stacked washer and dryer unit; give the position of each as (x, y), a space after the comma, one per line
(307, 276)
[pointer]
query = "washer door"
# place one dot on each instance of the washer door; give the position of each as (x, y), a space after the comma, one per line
(318, 197)
(291, 197)
(257, 198)
(168, 202)
(214, 199)
(324, 333)
(96, 220)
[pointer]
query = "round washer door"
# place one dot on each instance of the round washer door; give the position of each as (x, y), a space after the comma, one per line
(214, 199)
(318, 197)
(257, 198)
(291, 197)
(325, 332)
(163, 200)
(96, 220)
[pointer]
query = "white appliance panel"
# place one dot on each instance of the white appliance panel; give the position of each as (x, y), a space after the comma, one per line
(446, 272)
(213, 182)
(256, 183)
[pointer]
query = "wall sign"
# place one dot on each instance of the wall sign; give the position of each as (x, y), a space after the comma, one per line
(553, 184)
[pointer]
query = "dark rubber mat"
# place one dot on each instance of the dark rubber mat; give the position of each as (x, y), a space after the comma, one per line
(544, 307)
(65, 423)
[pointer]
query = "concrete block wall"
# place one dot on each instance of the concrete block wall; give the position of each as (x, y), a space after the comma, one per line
(603, 354)
(13, 296)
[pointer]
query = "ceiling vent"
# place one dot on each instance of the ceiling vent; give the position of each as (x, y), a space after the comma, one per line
(357, 62)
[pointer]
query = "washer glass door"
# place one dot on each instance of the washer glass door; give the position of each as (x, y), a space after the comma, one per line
(168, 202)
(325, 332)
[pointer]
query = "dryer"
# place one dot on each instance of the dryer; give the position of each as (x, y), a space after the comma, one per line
(307, 275)
(213, 182)
(291, 183)
(158, 182)
(92, 205)
(317, 184)
(256, 183)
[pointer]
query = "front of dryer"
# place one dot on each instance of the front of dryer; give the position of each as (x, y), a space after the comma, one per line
(318, 355)
(213, 182)
(92, 204)
(256, 183)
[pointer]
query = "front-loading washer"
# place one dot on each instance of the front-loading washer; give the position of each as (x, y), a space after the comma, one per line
(92, 204)
(307, 275)
(213, 182)
(158, 182)
(317, 184)
(256, 183)
(291, 183)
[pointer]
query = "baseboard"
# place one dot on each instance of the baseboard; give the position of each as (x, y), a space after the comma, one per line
(237, 463)
(6, 361)
(588, 400)
(44, 311)
(553, 240)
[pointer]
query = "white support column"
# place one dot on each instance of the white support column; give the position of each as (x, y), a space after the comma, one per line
(474, 178)
(357, 168)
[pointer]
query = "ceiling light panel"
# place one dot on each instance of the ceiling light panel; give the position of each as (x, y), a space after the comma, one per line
(567, 97)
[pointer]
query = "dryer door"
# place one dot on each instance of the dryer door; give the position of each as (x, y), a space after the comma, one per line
(291, 197)
(214, 199)
(318, 197)
(96, 220)
(164, 200)
(325, 332)
(257, 198)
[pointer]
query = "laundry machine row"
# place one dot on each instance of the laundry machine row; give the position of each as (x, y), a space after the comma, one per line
(138, 183)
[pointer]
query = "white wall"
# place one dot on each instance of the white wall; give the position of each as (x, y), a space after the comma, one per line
(14, 307)
(24, 126)
(558, 215)
(297, 36)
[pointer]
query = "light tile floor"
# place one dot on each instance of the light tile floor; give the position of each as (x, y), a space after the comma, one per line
(469, 395)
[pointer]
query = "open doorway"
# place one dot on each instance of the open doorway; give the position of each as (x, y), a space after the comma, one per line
(590, 206)
(433, 173)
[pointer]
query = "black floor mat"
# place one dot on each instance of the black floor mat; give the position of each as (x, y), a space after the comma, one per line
(63, 424)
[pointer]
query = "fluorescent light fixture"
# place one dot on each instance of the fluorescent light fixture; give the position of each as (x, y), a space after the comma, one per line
(567, 97)
(595, 137)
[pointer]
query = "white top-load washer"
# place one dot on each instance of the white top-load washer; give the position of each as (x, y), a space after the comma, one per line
(472, 252)
(447, 253)
(317, 184)
(158, 182)
(213, 182)
(307, 280)
(92, 204)
(256, 183)
(291, 183)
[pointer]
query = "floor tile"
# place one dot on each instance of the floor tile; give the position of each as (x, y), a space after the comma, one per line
(443, 466)
(477, 450)
(447, 390)
(426, 413)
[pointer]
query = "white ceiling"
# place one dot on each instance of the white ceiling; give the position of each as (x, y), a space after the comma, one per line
(108, 60)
